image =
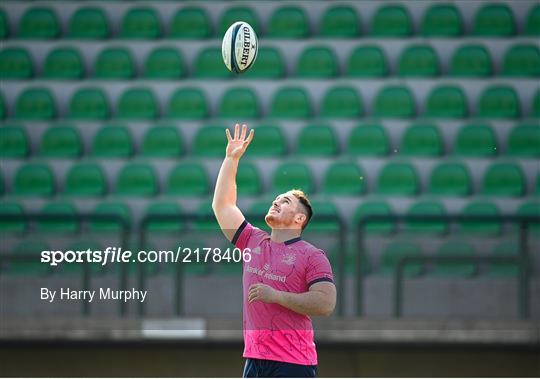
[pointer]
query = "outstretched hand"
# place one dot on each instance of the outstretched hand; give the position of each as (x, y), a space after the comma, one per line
(237, 146)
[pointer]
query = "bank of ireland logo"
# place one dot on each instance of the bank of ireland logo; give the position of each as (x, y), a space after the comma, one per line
(288, 259)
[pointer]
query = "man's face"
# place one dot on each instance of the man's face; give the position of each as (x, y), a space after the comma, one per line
(285, 212)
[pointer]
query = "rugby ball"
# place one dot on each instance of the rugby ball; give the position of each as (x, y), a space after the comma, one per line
(239, 47)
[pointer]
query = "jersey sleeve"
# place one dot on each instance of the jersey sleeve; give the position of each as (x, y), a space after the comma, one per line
(243, 234)
(318, 269)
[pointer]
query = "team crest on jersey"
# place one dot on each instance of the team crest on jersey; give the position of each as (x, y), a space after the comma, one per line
(289, 259)
(257, 250)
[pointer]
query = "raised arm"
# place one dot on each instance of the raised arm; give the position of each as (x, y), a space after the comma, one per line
(224, 205)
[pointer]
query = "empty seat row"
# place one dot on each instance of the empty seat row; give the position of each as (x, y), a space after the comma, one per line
(395, 178)
(423, 139)
(416, 60)
(338, 21)
(287, 102)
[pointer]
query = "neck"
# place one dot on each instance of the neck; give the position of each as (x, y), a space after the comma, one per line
(282, 235)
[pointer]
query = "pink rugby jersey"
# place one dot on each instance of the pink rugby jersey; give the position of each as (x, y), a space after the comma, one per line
(272, 331)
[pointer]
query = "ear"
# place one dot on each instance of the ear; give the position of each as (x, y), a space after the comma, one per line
(300, 218)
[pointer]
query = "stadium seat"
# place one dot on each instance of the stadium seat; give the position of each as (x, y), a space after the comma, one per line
(58, 208)
(14, 142)
(446, 101)
(258, 211)
(3, 110)
(340, 21)
(532, 26)
(394, 101)
(190, 23)
(11, 208)
(188, 103)
(137, 179)
(76, 269)
(535, 108)
(289, 175)
(233, 14)
(341, 102)
(427, 208)
(471, 60)
(270, 142)
(85, 180)
(61, 142)
(494, 20)
(34, 180)
(15, 63)
(524, 140)
(368, 139)
(39, 23)
(394, 252)
(531, 208)
(206, 220)
(140, 23)
(164, 208)
(4, 24)
(164, 63)
(63, 63)
(162, 141)
(480, 208)
(288, 22)
(317, 140)
(210, 141)
(89, 103)
(374, 208)
(391, 21)
(113, 141)
(30, 267)
(114, 63)
(137, 103)
(209, 64)
(442, 20)
(188, 179)
(239, 103)
(475, 140)
(505, 269)
(248, 180)
(88, 23)
(450, 179)
(344, 179)
(317, 62)
(290, 102)
(367, 61)
(456, 269)
(270, 64)
(499, 102)
(325, 220)
(503, 179)
(422, 139)
(398, 179)
(418, 61)
(522, 60)
(118, 210)
(35, 103)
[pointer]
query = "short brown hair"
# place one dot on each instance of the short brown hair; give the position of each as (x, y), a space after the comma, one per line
(306, 204)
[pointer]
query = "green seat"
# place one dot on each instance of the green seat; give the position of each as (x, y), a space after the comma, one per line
(494, 20)
(61, 142)
(112, 213)
(114, 63)
(340, 21)
(258, 211)
(442, 20)
(11, 226)
(209, 64)
(113, 142)
(54, 225)
(374, 208)
(206, 220)
(535, 108)
(3, 110)
(325, 220)
(524, 140)
(190, 23)
(503, 179)
(188, 103)
(137, 179)
(167, 209)
(89, 103)
(188, 179)
(480, 208)
(418, 61)
(531, 208)
(341, 102)
(471, 60)
(522, 60)
(426, 209)
(15, 63)
(317, 140)
(39, 23)
(317, 62)
(532, 26)
(475, 140)
(35, 180)
(421, 139)
(398, 179)
(391, 21)
(164, 63)
(137, 103)
(75, 268)
(248, 180)
(394, 252)
(210, 141)
(291, 102)
(505, 269)
(162, 142)
(35, 103)
(447, 102)
(239, 103)
(367, 61)
(270, 64)
(450, 179)
(270, 142)
(499, 102)
(85, 180)
(140, 23)
(4, 24)
(344, 179)
(394, 102)
(88, 23)
(288, 22)
(458, 268)
(368, 139)
(289, 175)
(63, 63)
(13, 142)
(32, 266)
(233, 14)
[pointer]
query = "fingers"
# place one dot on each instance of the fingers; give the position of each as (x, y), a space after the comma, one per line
(250, 137)
(236, 131)
(253, 293)
(228, 135)
(243, 135)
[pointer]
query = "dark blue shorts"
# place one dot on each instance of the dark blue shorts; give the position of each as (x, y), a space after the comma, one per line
(261, 368)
